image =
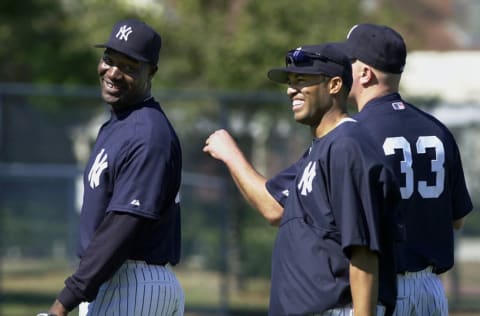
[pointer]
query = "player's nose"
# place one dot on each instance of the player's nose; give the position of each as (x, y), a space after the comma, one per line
(114, 72)
(292, 91)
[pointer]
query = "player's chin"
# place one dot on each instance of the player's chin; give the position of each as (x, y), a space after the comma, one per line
(302, 119)
(299, 117)
(111, 98)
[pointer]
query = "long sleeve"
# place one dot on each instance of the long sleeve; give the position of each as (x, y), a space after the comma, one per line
(111, 246)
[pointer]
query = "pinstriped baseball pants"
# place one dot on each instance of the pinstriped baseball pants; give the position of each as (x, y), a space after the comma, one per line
(138, 289)
(420, 294)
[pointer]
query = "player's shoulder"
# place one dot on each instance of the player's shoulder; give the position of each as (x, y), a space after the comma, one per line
(429, 121)
(151, 116)
(150, 126)
(351, 136)
(150, 112)
(428, 116)
(350, 129)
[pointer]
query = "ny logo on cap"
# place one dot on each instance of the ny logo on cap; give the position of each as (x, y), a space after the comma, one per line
(124, 32)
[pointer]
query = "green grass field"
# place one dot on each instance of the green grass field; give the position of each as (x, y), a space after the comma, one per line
(28, 287)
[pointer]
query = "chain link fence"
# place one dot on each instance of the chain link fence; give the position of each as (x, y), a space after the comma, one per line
(46, 133)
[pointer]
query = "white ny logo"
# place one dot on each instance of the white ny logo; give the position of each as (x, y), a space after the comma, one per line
(124, 32)
(305, 184)
(98, 166)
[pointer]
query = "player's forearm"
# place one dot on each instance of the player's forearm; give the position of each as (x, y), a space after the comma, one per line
(364, 281)
(252, 186)
(221, 145)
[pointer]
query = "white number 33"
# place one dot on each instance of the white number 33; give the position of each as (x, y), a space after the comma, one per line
(423, 142)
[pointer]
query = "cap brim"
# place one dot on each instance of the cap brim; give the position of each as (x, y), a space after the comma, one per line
(101, 46)
(120, 50)
(280, 75)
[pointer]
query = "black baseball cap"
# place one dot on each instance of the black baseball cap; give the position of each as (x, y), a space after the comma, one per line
(135, 39)
(376, 45)
(324, 59)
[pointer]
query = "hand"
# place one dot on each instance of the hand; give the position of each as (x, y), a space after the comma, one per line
(57, 309)
(221, 145)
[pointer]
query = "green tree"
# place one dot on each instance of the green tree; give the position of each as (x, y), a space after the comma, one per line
(38, 43)
(231, 44)
(207, 44)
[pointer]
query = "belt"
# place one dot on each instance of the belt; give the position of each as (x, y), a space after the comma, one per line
(428, 270)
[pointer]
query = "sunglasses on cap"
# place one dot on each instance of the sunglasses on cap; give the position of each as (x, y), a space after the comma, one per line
(301, 58)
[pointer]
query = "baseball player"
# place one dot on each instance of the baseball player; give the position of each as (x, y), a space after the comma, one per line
(336, 220)
(426, 161)
(130, 219)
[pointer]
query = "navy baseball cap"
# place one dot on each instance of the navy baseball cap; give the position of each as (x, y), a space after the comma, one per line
(325, 59)
(135, 39)
(376, 45)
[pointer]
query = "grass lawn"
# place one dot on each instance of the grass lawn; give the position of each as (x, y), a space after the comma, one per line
(28, 287)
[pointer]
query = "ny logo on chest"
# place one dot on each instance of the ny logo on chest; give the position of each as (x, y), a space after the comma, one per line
(309, 173)
(98, 166)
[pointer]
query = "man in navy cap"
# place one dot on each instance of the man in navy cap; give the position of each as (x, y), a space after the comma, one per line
(335, 228)
(130, 218)
(426, 160)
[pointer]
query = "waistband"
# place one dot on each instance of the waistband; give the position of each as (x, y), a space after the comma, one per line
(347, 311)
(143, 262)
(425, 272)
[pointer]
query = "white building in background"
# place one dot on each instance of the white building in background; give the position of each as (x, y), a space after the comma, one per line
(450, 77)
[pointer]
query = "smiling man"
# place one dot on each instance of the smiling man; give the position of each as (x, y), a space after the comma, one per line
(334, 206)
(331, 254)
(130, 218)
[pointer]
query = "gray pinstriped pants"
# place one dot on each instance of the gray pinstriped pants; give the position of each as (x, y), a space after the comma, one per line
(420, 294)
(138, 289)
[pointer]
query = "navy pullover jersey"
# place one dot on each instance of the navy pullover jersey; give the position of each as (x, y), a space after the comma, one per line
(135, 167)
(342, 197)
(426, 160)
(279, 186)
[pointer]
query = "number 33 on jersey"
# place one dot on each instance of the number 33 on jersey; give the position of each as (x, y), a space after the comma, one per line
(393, 145)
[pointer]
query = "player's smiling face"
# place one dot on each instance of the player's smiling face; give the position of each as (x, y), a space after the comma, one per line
(124, 81)
(309, 96)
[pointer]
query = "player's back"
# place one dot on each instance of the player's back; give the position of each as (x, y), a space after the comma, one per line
(425, 159)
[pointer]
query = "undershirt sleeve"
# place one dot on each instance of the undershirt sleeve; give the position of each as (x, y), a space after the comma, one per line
(109, 249)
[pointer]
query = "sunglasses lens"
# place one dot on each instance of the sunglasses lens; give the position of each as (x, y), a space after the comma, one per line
(297, 58)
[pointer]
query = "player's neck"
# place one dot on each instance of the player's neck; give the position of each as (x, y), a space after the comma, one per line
(329, 121)
(372, 93)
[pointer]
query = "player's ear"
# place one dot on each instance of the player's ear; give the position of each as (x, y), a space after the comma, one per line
(335, 85)
(361, 72)
(365, 74)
